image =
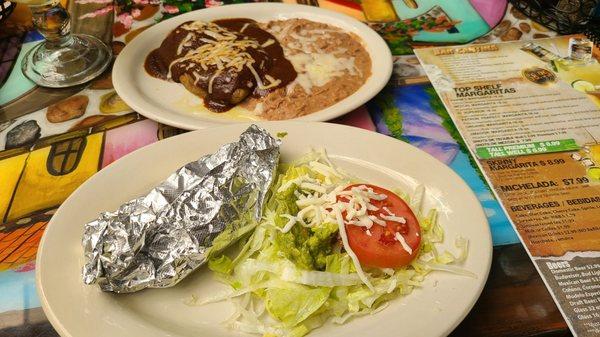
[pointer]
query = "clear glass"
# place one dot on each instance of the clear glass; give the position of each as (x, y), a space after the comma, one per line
(63, 59)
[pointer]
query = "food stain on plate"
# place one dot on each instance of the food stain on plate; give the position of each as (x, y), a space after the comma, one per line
(191, 104)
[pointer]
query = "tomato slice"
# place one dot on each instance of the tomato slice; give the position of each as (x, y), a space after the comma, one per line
(381, 248)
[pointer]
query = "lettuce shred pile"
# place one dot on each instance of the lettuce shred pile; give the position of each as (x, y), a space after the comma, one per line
(288, 280)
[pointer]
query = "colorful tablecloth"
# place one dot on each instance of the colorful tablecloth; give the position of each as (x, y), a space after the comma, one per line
(44, 158)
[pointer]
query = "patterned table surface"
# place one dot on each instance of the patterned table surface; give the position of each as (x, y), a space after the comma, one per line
(43, 161)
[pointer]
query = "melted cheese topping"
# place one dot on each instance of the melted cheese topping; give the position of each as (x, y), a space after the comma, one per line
(315, 66)
(316, 70)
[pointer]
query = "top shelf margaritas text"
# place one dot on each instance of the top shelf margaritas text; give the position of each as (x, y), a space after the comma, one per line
(518, 98)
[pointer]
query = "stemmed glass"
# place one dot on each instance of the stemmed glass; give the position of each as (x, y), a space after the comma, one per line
(63, 59)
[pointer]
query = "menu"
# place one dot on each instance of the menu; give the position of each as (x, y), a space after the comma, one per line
(530, 115)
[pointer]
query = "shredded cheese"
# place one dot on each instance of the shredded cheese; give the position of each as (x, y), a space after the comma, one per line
(288, 226)
(321, 202)
(392, 218)
(314, 187)
(326, 171)
(274, 82)
(225, 49)
(305, 212)
(295, 181)
(255, 74)
(196, 77)
(377, 220)
(305, 202)
(342, 230)
(403, 243)
(371, 207)
(183, 43)
(268, 43)
(210, 82)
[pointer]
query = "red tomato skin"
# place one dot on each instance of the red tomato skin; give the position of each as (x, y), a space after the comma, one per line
(381, 249)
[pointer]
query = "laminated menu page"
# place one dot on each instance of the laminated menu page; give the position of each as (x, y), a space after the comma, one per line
(530, 114)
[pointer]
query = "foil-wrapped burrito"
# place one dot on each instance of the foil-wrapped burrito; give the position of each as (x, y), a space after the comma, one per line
(156, 240)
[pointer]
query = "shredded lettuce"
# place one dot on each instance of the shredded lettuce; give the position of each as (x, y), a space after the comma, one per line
(221, 264)
(293, 304)
(296, 271)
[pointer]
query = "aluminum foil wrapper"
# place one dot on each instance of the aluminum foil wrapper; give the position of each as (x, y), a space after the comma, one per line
(156, 240)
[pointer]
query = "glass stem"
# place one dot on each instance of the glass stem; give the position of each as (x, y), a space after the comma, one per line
(53, 22)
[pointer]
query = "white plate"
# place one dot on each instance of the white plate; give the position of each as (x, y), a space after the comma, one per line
(170, 103)
(76, 309)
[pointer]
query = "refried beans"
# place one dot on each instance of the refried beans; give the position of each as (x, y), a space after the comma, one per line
(331, 65)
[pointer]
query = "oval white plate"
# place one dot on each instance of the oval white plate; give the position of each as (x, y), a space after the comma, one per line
(76, 309)
(170, 103)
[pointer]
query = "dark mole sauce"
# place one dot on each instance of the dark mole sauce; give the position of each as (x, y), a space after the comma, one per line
(229, 86)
